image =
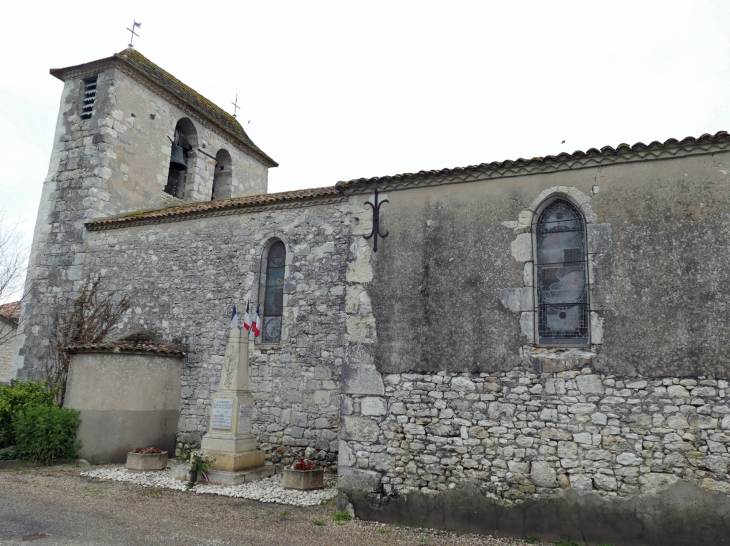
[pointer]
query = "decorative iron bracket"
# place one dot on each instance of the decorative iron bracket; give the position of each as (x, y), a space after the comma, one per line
(376, 222)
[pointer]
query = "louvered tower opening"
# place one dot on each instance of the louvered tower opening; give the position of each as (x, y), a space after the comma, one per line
(89, 98)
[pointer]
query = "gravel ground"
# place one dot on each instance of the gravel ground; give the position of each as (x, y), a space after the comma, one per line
(264, 490)
(58, 505)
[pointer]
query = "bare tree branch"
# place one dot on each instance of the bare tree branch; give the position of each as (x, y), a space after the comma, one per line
(13, 264)
(90, 319)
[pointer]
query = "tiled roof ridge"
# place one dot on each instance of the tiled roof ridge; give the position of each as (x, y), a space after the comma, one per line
(561, 157)
(130, 344)
(220, 205)
(10, 311)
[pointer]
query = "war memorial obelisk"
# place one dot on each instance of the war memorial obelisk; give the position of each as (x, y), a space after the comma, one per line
(229, 439)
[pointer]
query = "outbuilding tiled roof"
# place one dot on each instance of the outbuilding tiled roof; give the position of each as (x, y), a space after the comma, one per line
(562, 157)
(10, 311)
(134, 344)
(134, 59)
(208, 207)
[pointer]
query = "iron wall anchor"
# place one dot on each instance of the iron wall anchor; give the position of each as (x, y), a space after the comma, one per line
(376, 222)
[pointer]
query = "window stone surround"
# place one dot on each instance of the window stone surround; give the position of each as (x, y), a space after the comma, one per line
(522, 300)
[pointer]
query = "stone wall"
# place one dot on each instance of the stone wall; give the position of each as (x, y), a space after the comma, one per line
(453, 417)
(521, 439)
(519, 434)
(460, 247)
(7, 335)
(184, 277)
(125, 401)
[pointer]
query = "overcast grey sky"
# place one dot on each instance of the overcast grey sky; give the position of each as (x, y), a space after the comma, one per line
(336, 90)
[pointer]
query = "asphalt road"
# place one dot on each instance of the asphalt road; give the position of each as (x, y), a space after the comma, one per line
(57, 506)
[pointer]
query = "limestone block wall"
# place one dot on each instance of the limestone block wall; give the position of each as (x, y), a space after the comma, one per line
(74, 192)
(452, 415)
(520, 434)
(7, 335)
(183, 279)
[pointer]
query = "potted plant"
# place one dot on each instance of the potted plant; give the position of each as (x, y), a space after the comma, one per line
(303, 475)
(146, 459)
(199, 464)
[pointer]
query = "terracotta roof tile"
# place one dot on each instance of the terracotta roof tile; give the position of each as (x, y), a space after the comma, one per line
(563, 156)
(134, 344)
(207, 207)
(10, 311)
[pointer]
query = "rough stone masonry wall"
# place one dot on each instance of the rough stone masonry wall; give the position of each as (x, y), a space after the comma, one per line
(183, 279)
(519, 435)
(7, 344)
(74, 192)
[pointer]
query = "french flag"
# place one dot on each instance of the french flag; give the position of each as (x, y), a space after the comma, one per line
(234, 318)
(256, 326)
(247, 319)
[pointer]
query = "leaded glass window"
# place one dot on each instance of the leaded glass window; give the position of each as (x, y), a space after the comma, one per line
(274, 294)
(561, 276)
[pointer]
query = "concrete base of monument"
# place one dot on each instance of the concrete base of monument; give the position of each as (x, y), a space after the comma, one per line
(228, 443)
(232, 452)
(234, 462)
(222, 477)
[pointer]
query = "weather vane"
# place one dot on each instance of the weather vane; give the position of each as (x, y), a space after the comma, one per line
(235, 106)
(131, 38)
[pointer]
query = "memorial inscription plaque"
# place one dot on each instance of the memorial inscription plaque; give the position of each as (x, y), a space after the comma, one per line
(222, 413)
(244, 418)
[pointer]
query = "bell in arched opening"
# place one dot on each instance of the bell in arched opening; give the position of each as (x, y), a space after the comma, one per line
(177, 159)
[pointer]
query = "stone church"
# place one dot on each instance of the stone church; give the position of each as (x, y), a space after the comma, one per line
(538, 346)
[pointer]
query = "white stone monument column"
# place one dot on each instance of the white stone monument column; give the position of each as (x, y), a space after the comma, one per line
(229, 439)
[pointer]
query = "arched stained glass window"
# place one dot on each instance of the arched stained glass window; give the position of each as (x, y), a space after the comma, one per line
(274, 293)
(561, 276)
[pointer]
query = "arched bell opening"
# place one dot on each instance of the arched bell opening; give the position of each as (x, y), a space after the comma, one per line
(222, 179)
(183, 143)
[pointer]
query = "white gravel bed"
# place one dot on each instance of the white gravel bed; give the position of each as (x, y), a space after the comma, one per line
(264, 490)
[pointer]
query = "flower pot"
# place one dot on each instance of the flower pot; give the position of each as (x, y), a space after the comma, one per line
(193, 476)
(303, 479)
(146, 462)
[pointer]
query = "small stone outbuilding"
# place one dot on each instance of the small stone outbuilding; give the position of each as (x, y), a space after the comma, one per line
(128, 395)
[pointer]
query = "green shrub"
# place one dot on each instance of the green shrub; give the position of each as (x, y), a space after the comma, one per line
(19, 396)
(8, 453)
(46, 434)
(532, 539)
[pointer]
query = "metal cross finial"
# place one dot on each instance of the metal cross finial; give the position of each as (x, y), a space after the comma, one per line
(376, 222)
(131, 38)
(235, 106)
